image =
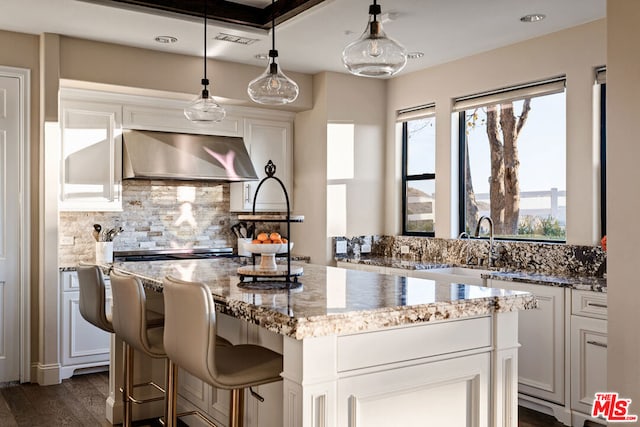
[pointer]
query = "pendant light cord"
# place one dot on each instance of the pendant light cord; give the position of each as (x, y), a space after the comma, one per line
(204, 56)
(273, 28)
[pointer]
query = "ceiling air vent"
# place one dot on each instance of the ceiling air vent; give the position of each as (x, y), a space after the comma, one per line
(235, 39)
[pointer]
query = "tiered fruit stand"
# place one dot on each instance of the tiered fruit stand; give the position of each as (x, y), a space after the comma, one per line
(269, 275)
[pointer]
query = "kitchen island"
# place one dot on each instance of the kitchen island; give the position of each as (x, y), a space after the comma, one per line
(363, 349)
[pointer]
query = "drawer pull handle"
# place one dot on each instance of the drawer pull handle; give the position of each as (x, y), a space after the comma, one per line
(597, 343)
(596, 304)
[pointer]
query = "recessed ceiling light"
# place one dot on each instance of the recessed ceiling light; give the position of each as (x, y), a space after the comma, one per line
(166, 39)
(261, 56)
(534, 17)
(415, 55)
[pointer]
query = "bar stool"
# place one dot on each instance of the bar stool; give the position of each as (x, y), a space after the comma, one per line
(131, 325)
(93, 299)
(189, 340)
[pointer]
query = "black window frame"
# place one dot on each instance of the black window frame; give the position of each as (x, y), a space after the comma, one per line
(408, 178)
(603, 159)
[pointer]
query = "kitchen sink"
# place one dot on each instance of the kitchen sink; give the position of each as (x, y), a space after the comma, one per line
(469, 276)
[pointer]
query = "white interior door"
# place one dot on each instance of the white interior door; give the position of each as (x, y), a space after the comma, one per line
(10, 226)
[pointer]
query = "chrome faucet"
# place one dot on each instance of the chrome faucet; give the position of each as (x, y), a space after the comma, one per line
(477, 232)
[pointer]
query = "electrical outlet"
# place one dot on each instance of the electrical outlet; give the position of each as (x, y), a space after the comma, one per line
(67, 241)
(404, 249)
(341, 247)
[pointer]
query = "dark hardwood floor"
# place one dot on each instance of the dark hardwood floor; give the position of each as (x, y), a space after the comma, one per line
(79, 401)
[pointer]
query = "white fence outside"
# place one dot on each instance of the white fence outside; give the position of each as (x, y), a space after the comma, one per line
(542, 204)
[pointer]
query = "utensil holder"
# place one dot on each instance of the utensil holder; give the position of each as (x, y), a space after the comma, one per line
(104, 252)
(242, 251)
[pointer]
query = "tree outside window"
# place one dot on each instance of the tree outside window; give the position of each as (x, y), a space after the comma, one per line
(514, 166)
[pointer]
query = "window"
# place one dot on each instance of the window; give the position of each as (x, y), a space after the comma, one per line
(513, 161)
(418, 170)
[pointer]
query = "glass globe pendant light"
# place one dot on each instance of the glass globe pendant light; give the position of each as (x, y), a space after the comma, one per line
(374, 54)
(273, 87)
(204, 108)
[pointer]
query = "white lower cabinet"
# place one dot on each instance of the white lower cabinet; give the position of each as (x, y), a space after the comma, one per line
(82, 345)
(589, 352)
(541, 333)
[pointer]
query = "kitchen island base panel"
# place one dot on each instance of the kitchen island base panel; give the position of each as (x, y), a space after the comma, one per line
(433, 390)
(476, 382)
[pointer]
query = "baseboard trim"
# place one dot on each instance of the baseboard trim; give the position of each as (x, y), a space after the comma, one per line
(113, 410)
(559, 412)
(48, 374)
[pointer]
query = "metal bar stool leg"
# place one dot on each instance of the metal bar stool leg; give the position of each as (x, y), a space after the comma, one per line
(171, 407)
(236, 410)
(127, 386)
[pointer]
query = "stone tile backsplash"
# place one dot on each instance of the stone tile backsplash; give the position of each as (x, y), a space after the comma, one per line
(156, 214)
(544, 258)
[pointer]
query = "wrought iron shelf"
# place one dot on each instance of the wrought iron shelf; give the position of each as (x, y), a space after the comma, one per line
(271, 218)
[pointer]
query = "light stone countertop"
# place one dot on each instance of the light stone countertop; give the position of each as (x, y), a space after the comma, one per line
(333, 300)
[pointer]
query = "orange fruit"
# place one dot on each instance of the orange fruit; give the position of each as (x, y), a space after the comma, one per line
(263, 236)
(275, 236)
(256, 241)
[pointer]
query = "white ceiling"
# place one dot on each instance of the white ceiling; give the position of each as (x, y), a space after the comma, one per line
(313, 41)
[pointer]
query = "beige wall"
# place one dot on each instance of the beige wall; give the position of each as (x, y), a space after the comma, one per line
(21, 51)
(340, 98)
(623, 201)
(574, 52)
(143, 69)
(310, 175)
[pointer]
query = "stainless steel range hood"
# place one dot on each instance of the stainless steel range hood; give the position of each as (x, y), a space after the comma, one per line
(166, 155)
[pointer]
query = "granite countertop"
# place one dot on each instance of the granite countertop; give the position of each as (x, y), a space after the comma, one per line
(280, 259)
(584, 283)
(382, 261)
(333, 300)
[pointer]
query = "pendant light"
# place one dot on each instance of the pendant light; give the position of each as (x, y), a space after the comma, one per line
(374, 54)
(204, 108)
(273, 87)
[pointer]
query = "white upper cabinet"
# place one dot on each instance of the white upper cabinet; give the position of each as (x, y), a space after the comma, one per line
(266, 140)
(91, 156)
